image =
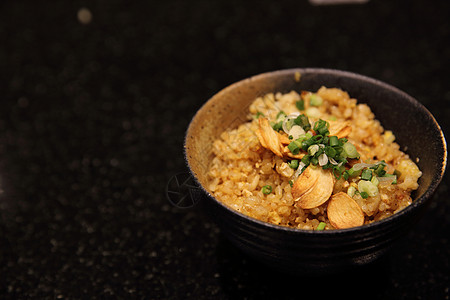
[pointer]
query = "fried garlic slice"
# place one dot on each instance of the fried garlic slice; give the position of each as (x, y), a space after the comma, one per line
(344, 212)
(313, 187)
(284, 139)
(268, 137)
(340, 129)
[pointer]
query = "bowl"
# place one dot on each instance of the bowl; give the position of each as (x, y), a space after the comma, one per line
(289, 249)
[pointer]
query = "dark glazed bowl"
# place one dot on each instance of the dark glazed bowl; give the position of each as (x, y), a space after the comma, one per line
(290, 249)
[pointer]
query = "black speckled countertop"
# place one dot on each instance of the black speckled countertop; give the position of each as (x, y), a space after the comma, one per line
(95, 100)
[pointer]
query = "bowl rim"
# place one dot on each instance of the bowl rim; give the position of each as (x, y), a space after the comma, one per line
(436, 180)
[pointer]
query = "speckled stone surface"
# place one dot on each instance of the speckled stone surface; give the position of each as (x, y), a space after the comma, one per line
(92, 125)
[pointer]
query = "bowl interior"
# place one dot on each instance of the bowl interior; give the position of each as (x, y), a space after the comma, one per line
(414, 127)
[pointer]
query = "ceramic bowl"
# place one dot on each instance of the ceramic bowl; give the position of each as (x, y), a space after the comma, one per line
(290, 249)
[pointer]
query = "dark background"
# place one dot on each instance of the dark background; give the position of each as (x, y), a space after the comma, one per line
(92, 123)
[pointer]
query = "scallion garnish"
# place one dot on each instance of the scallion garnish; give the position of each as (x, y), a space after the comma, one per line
(288, 122)
(296, 132)
(350, 150)
(320, 124)
(315, 100)
(259, 114)
(293, 164)
(277, 126)
(266, 190)
(312, 112)
(303, 121)
(379, 170)
(293, 147)
(323, 150)
(323, 159)
(351, 191)
(367, 187)
(306, 159)
(330, 151)
(366, 174)
(397, 173)
(337, 171)
(321, 226)
(281, 116)
(375, 180)
(334, 141)
(389, 177)
(300, 104)
(313, 149)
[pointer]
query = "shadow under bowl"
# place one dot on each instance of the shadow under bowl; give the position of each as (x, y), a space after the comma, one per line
(289, 249)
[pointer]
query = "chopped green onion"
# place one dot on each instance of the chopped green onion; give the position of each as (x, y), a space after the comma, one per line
(366, 174)
(303, 137)
(293, 164)
(380, 172)
(293, 147)
(340, 158)
(288, 122)
(391, 176)
(277, 126)
(306, 159)
(333, 161)
(300, 104)
(315, 100)
(350, 150)
(321, 226)
(281, 116)
(351, 191)
(379, 168)
(266, 190)
(312, 112)
(364, 195)
(360, 166)
(291, 183)
(342, 141)
(375, 180)
(337, 170)
(330, 151)
(368, 187)
(397, 173)
(306, 144)
(296, 131)
(345, 174)
(317, 139)
(351, 172)
(320, 123)
(303, 121)
(259, 114)
(334, 141)
(313, 149)
(323, 131)
(323, 159)
(321, 127)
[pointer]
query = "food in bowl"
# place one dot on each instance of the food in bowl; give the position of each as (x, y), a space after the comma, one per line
(312, 160)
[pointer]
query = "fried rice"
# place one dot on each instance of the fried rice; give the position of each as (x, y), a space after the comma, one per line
(245, 164)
